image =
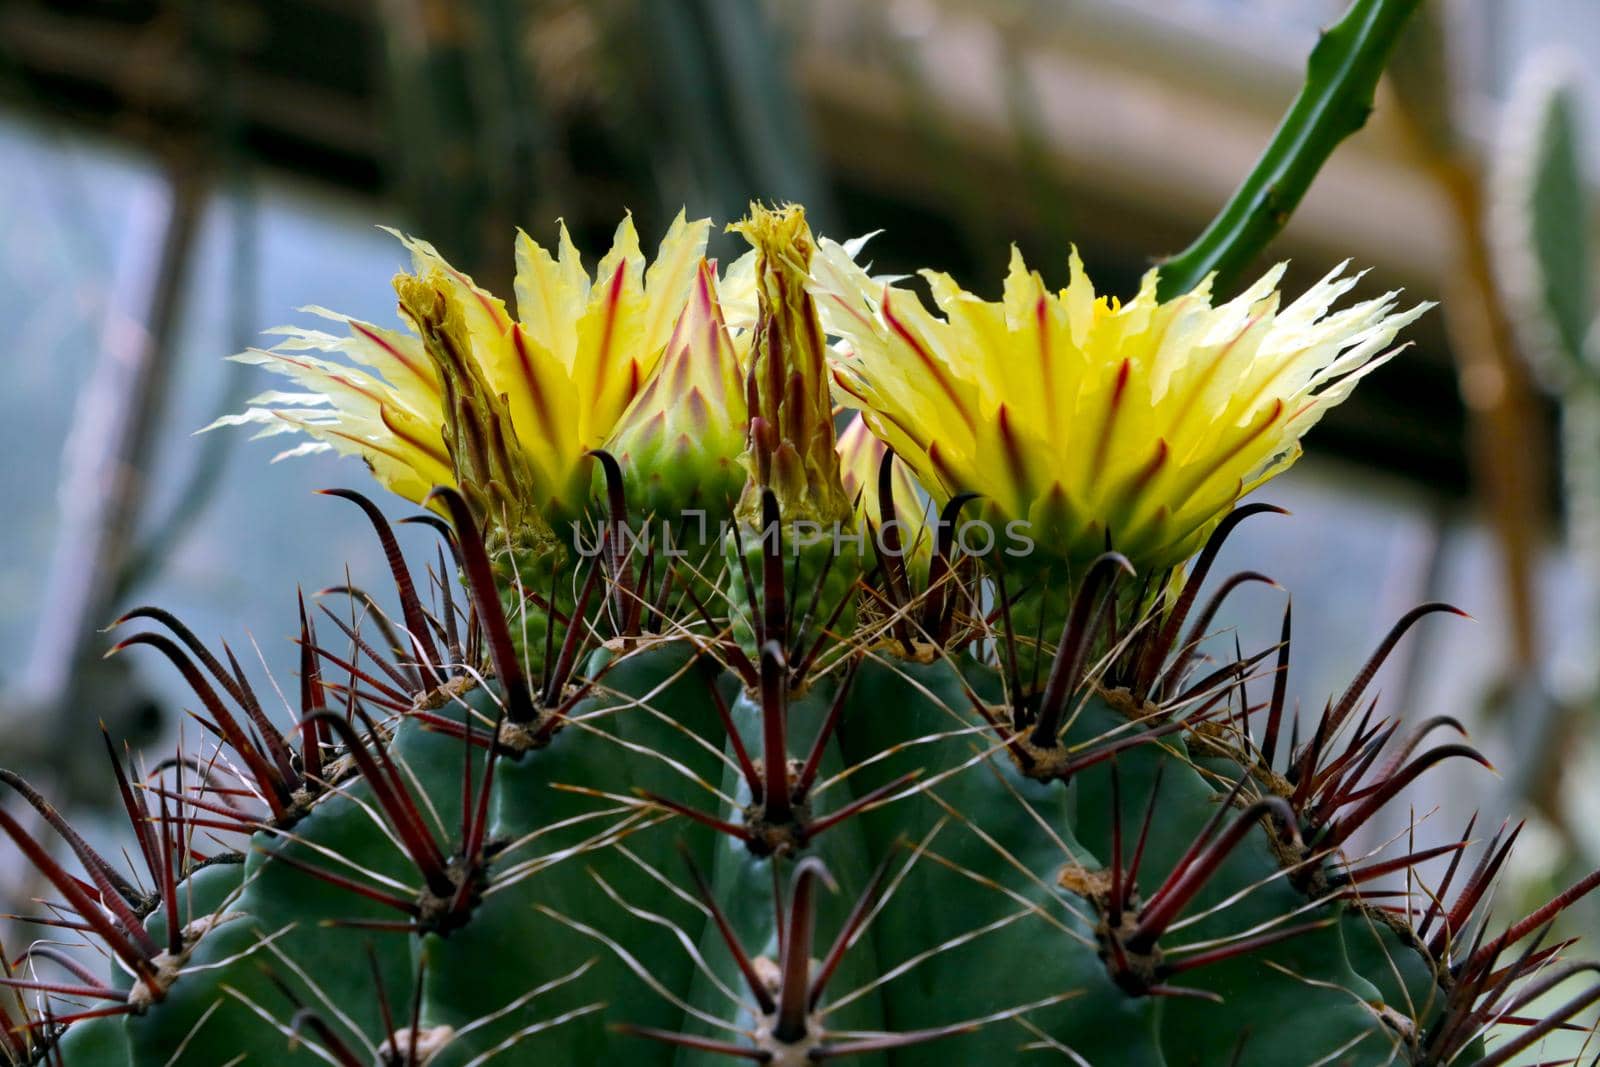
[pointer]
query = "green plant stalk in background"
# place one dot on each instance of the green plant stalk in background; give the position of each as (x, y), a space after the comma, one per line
(1341, 80)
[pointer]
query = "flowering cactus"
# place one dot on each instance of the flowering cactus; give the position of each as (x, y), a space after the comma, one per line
(817, 794)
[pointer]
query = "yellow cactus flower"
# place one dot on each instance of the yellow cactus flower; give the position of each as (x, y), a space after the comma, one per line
(503, 407)
(790, 449)
(791, 441)
(1086, 420)
(680, 440)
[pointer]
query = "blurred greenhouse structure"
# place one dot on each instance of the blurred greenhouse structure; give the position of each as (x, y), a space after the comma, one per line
(180, 175)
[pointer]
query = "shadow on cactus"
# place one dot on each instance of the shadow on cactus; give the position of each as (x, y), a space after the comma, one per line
(907, 745)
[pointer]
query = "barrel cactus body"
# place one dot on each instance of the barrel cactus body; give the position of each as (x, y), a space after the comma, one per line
(788, 802)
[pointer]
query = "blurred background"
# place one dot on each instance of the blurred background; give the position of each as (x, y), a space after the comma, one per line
(178, 175)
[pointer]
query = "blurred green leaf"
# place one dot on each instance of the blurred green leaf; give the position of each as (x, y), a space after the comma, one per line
(1543, 219)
